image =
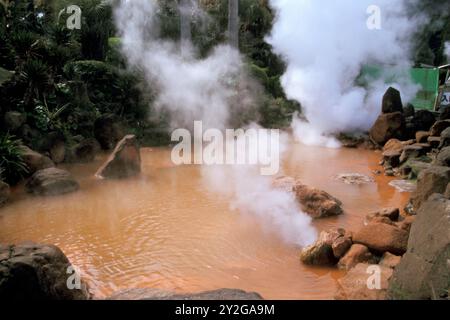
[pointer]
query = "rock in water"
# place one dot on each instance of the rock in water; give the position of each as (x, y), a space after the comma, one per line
(4, 193)
(355, 285)
(382, 237)
(124, 162)
(354, 178)
(388, 126)
(424, 271)
(37, 272)
(392, 101)
(317, 203)
(155, 294)
(321, 252)
(51, 182)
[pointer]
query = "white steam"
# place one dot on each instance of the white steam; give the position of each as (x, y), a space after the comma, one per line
(325, 44)
(211, 90)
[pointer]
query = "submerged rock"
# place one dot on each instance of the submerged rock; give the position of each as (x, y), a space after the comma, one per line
(382, 237)
(155, 294)
(4, 193)
(51, 182)
(354, 178)
(317, 203)
(36, 272)
(424, 271)
(124, 162)
(356, 284)
(404, 185)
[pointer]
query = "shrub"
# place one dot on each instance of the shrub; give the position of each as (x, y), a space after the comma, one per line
(11, 160)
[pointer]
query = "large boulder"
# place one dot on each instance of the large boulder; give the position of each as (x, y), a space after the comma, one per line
(432, 180)
(437, 129)
(124, 162)
(37, 272)
(357, 254)
(443, 157)
(84, 151)
(423, 120)
(4, 193)
(35, 161)
(424, 271)
(388, 126)
(321, 252)
(13, 120)
(444, 140)
(155, 294)
(317, 203)
(357, 284)
(392, 101)
(108, 130)
(382, 237)
(51, 182)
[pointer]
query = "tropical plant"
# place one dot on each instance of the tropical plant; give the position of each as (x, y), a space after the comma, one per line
(11, 159)
(36, 74)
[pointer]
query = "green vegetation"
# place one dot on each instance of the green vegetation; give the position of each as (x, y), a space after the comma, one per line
(12, 166)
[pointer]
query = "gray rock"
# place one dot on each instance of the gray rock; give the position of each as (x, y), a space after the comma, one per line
(432, 180)
(36, 272)
(443, 157)
(108, 130)
(155, 294)
(35, 161)
(424, 271)
(51, 182)
(445, 139)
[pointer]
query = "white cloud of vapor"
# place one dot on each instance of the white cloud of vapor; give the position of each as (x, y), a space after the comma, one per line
(325, 43)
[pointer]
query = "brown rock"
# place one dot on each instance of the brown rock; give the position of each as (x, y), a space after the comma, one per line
(406, 223)
(317, 203)
(434, 142)
(357, 254)
(412, 151)
(422, 136)
(85, 151)
(357, 284)
(284, 183)
(58, 152)
(321, 252)
(390, 261)
(108, 130)
(388, 126)
(382, 237)
(124, 162)
(393, 145)
(341, 245)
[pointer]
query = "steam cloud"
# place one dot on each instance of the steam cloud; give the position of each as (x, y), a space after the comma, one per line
(192, 89)
(325, 44)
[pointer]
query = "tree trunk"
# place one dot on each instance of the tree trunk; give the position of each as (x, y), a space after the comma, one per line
(233, 23)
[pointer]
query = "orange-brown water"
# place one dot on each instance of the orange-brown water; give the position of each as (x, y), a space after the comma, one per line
(166, 230)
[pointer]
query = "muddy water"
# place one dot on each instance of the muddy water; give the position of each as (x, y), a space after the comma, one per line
(166, 230)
